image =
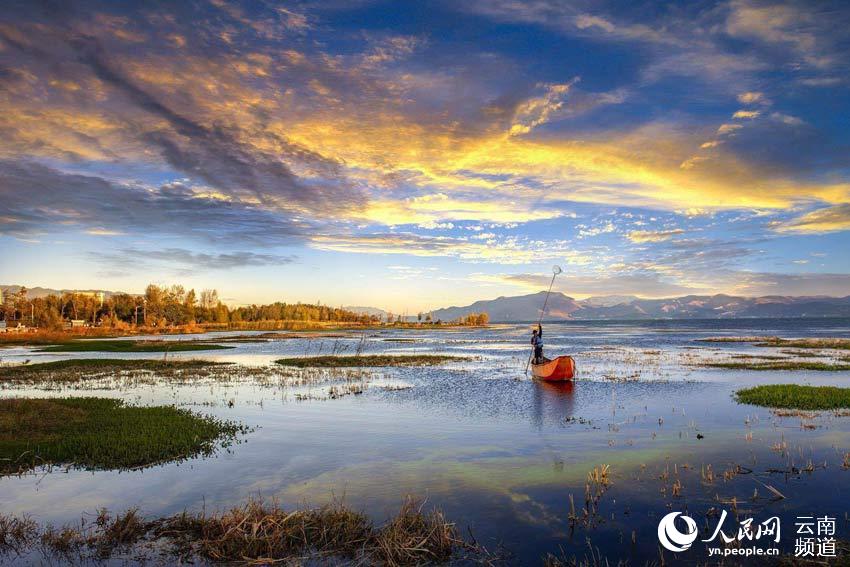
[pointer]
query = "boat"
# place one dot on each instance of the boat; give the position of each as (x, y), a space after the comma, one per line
(560, 369)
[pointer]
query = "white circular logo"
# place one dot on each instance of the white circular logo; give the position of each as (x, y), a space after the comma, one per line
(670, 536)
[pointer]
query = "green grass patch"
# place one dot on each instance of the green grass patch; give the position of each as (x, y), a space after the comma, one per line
(779, 365)
(79, 369)
(100, 433)
(842, 344)
(794, 396)
(368, 360)
(825, 342)
(131, 346)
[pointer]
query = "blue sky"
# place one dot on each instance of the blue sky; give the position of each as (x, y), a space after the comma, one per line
(417, 155)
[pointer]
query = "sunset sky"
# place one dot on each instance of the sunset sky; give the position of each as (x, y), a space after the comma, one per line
(418, 155)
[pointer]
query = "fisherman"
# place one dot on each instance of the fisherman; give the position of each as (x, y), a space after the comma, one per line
(537, 344)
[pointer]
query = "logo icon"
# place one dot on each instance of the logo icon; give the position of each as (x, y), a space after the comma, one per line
(670, 536)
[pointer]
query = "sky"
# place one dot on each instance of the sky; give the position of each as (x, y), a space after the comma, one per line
(415, 155)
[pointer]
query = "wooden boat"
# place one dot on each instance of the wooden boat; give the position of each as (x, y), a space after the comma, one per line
(557, 370)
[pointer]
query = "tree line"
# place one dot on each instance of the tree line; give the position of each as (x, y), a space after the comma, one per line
(159, 306)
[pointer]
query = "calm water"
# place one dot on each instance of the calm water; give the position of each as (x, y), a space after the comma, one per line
(496, 451)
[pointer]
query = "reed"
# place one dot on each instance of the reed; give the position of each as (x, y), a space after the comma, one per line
(256, 533)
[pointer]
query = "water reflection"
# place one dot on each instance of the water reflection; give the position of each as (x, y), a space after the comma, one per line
(552, 401)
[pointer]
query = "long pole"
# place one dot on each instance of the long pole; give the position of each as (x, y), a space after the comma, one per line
(540, 320)
(546, 301)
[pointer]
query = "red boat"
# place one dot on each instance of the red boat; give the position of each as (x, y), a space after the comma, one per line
(560, 369)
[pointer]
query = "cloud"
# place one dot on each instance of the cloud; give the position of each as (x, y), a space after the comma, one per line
(562, 16)
(539, 110)
(746, 114)
(822, 81)
(641, 236)
(830, 219)
(807, 32)
(726, 129)
(435, 208)
(497, 250)
(39, 199)
(751, 97)
(768, 283)
(787, 119)
(643, 284)
(649, 284)
(184, 261)
(600, 228)
(223, 154)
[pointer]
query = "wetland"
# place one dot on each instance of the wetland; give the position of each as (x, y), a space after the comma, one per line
(523, 472)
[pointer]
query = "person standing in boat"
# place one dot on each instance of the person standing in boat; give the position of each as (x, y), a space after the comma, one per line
(537, 343)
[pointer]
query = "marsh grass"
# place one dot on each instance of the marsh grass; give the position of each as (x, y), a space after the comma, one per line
(131, 346)
(835, 343)
(368, 360)
(99, 433)
(253, 534)
(794, 396)
(778, 365)
(117, 374)
(773, 341)
(15, 533)
(87, 368)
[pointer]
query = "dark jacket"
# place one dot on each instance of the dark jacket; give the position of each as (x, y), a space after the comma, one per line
(537, 340)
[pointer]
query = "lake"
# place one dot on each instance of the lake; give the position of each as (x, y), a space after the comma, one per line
(497, 452)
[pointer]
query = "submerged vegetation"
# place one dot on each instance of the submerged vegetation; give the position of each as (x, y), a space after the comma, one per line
(761, 364)
(70, 371)
(772, 341)
(794, 396)
(251, 534)
(131, 346)
(99, 433)
(368, 360)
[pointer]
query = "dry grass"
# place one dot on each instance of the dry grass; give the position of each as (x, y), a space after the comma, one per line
(253, 534)
(598, 481)
(15, 533)
(413, 537)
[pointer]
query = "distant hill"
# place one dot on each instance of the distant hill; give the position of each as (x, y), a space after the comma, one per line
(34, 292)
(527, 307)
(371, 311)
(376, 312)
(608, 300)
(517, 308)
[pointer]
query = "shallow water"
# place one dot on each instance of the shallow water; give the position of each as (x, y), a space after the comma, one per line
(496, 451)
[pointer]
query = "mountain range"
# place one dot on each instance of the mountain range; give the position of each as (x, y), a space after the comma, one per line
(35, 292)
(527, 307)
(720, 306)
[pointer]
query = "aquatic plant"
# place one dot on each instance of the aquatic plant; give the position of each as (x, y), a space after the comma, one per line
(779, 365)
(372, 360)
(131, 346)
(795, 396)
(99, 433)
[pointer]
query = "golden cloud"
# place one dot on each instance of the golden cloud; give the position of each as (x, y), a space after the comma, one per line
(831, 219)
(641, 236)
